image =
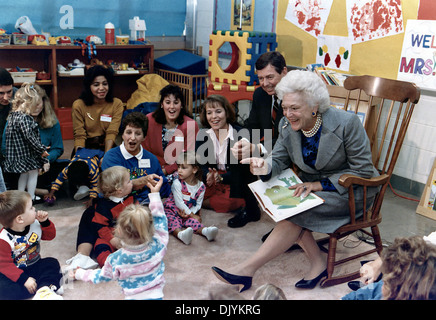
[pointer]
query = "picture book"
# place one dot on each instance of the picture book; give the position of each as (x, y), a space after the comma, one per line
(277, 200)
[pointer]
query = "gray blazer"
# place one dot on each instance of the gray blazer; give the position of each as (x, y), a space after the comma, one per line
(343, 148)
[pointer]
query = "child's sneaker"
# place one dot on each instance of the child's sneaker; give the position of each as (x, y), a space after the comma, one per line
(210, 233)
(82, 261)
(81, 193)
(45, 293)
(186, 235)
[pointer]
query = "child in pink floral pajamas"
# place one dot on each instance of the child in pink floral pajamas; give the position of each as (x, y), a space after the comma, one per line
(182, 207)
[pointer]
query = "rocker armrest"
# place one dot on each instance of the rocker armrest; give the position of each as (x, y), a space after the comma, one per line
(346, 180)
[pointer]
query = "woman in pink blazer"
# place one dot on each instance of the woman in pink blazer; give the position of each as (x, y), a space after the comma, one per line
(170, 129)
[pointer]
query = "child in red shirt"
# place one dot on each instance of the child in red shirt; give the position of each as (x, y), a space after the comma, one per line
(23, 273)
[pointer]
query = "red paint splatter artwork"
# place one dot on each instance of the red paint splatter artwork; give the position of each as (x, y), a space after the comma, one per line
(374, 19)
(309, 15)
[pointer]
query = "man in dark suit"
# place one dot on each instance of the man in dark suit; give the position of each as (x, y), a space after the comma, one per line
(264, 115)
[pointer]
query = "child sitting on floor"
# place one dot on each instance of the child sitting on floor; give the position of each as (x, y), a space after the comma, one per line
(408, 272)
(138, 265)
(183, 205)
(116, 186)
(23, 273)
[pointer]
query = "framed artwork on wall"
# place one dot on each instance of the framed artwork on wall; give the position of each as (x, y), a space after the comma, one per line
(242, 15)
(427, 204)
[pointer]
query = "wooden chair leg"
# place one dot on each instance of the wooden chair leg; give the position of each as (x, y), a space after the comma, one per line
(377, 239)
(331, 256)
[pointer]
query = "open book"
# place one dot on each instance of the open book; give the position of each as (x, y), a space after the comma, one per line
(275, 197)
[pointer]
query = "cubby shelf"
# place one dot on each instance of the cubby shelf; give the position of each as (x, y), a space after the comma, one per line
(63, 90)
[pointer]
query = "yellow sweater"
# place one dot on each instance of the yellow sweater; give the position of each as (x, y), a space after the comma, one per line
(96, 120)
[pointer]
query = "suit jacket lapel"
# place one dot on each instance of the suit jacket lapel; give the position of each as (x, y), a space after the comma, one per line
(329, 142)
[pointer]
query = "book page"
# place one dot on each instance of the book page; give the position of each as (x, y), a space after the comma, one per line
(277, 200)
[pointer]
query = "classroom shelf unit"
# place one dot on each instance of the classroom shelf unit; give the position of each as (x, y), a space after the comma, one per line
(63, 90)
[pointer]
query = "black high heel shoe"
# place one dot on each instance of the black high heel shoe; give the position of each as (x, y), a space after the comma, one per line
(310, 284)
(243, 282)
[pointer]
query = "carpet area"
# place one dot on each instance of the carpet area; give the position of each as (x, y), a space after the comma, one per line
(188, 267)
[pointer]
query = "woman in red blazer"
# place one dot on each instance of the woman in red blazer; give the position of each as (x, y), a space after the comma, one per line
(170, 129)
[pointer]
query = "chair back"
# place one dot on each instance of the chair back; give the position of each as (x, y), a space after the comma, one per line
(397, 100)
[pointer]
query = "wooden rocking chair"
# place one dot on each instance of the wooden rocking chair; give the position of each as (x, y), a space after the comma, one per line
(397, 101)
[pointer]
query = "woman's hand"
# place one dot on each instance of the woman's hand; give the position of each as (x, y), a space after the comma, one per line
(242, 149)
(147, 180)
(258, 166)
(303, 189)
(213, 177)
(370, 271)
(153, 184)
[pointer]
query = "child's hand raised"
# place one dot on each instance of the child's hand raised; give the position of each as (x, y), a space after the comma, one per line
(41, 215)
(157, 185)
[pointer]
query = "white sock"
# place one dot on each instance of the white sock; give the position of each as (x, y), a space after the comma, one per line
(186, 235)
(210, 233)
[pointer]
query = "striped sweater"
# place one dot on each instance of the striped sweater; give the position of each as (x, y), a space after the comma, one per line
(138, 269)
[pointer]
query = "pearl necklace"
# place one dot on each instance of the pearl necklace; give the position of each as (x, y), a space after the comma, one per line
(314, 130)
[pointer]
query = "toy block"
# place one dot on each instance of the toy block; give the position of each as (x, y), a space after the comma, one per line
(246, 48)
(236, 71)
(233, 93)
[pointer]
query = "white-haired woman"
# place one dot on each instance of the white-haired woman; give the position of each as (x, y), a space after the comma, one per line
(323, 143)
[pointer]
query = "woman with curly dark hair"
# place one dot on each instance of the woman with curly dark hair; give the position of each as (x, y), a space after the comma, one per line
(171, 130)
(97, 114)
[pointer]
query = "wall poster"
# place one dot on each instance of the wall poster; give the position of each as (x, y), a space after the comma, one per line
(242, 15)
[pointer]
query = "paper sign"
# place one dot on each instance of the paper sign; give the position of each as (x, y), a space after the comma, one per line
(418, 56)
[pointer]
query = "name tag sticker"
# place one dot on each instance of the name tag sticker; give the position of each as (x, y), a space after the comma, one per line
(144, 163)
(106, 118)
(179, 139)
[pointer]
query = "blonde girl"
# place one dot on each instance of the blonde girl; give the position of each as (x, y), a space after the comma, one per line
(24, 152)
(138, 264)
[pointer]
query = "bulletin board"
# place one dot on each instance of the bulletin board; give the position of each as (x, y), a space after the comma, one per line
(378, 57)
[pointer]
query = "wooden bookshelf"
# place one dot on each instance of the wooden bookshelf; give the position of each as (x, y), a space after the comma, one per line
(63, 90)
